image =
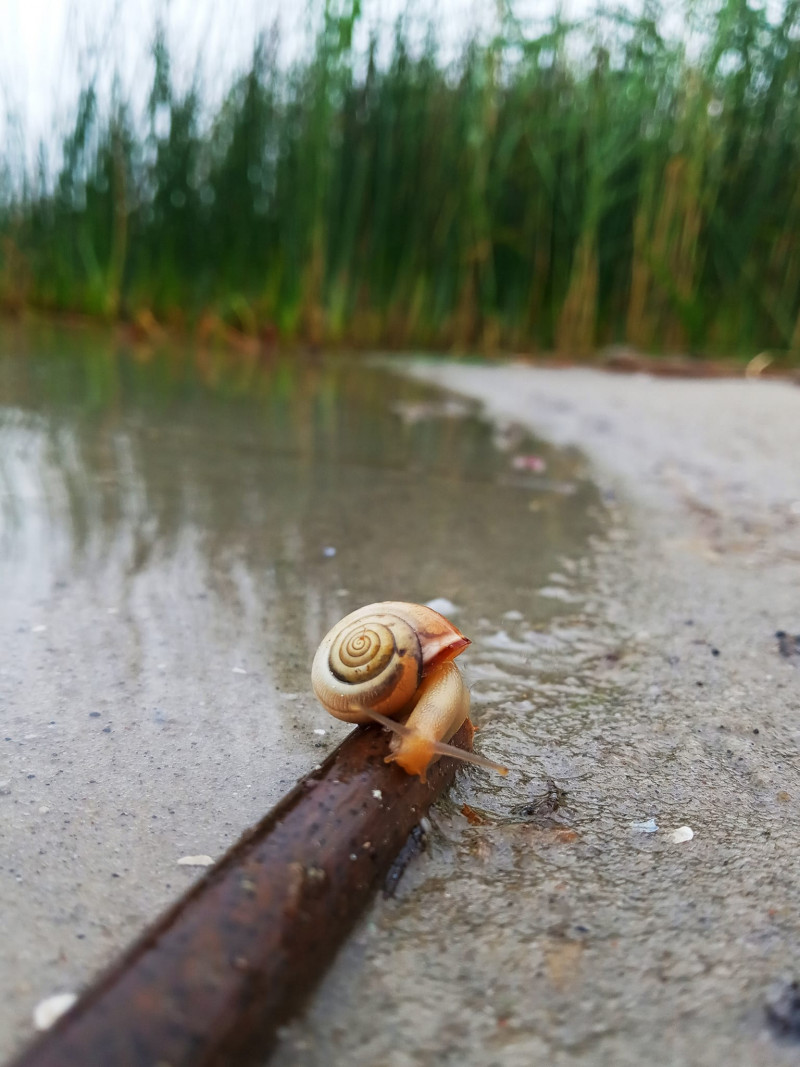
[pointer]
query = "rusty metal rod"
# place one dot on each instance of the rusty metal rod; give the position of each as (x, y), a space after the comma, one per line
(211, 981)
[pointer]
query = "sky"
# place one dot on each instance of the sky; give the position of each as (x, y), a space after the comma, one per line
(46, 44)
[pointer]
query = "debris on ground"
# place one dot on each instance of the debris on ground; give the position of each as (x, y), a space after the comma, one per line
(788, 644)
(529, 463)
(50, 1010)
(412, 412)
(473, 817)
(195, 861)
(783, 1008)
(646, 826)
(543, 807)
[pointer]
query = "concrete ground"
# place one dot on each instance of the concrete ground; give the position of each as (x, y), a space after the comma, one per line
(584, 926)
(166, 573)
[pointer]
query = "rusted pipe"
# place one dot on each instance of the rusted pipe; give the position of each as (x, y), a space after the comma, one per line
(209, 984)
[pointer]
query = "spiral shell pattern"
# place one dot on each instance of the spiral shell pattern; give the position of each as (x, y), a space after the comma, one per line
(370, 659)
(362, 651)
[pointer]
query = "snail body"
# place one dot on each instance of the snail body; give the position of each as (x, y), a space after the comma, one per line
(392, 663)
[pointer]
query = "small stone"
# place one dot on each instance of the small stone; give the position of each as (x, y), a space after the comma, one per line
(683, 833)
(320, 733)
(238, 670)
(38, 629)
(329, 552)
(783, 1008)
(195, 861)
(377, 794)
(51, 1009)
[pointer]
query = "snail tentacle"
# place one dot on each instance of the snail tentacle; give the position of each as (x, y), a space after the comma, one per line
(439, 748)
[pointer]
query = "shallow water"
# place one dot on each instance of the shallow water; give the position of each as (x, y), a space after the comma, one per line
(178, 531)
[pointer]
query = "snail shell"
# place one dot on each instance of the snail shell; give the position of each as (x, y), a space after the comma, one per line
(374, 659)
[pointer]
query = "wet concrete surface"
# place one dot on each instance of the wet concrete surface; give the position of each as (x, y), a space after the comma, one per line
(177, 532)
(546, 924)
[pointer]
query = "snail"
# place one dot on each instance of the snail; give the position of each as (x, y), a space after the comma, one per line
(394, 661)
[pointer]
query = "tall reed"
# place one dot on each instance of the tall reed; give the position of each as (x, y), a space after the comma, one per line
(591, 184)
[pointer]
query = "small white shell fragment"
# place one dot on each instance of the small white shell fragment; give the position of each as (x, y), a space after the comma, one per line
(51, 1009)
(442, 605)
(329, 552)
(238, 670)
(377, 794)
(647, 826)
(320, 733)
(683, 833)
(195, 861)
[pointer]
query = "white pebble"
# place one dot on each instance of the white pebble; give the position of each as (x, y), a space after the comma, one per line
(43, 810)
(195, 861)
(51, 1009)
(377, 794)
(329, 552)
(238, 670)
(320, 733)
(442, 605)
(38, 630)
(683, 833)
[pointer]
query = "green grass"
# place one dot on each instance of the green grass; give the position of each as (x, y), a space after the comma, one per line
(591, 185)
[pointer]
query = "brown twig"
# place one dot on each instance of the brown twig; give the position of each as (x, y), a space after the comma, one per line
(212, 980)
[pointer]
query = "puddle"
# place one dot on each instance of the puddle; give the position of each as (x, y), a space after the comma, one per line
(177, 531)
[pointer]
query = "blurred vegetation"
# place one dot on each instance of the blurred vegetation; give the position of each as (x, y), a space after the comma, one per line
(600, 182)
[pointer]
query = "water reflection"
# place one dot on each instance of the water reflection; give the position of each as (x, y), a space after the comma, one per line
(178, 531)
(200, 490)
